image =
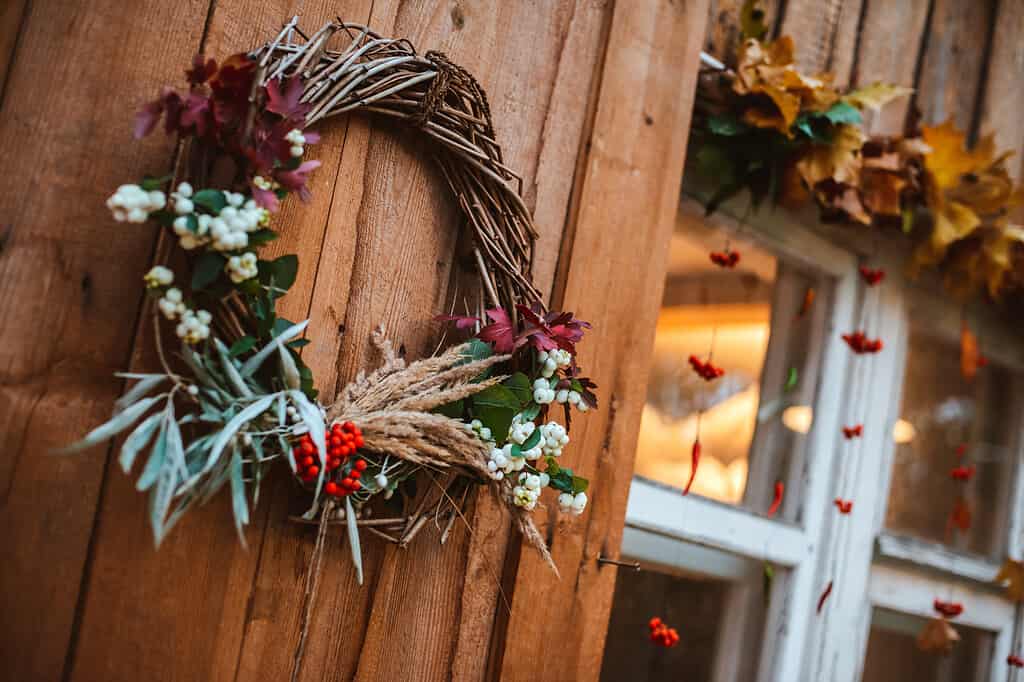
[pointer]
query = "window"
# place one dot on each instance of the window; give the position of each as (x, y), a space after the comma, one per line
(732, 578)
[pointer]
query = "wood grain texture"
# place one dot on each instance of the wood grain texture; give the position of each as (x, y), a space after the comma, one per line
(70, 292)
(1004, 97)
(890, 42)
(630, 187)
(952, 66)
(825, 35)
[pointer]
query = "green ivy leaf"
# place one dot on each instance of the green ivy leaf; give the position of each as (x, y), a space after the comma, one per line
(207, 268)
(211, 199)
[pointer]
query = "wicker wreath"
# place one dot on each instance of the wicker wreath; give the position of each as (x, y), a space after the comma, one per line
(238, 397)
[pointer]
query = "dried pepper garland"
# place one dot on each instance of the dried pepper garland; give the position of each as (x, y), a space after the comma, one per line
(237, 397)
(787, 137)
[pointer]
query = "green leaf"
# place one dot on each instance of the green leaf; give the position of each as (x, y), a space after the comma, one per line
(519, 385)
(843, 112)
(727, 126)
(531, 411)
(116, 425)
(207, 268)
(791, 380)
(532, 441)
(261, 237)
(150, 183)
(239, 504)
(242, 345)
(138, 439)
(211, 199)
(155, 463)
(451, 410)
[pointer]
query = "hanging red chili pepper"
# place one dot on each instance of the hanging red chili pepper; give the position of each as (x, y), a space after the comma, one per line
(872, 277)
(855, 431)
(844, 506)
(824, 596)
(694, 461)
(780, 488)
(948, 609)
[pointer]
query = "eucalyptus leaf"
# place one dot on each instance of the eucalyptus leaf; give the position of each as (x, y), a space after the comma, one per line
(254, 363)
(353, 539)
(239, 504)
(116, 425)
(138, 440)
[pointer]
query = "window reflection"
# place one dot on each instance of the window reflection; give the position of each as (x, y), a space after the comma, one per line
(759, 321)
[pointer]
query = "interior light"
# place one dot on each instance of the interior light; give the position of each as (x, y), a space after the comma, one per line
(798, 418)
(903, 431)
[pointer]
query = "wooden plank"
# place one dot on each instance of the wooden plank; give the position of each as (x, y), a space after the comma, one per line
(210, 575)
(825, 35)
(722, 36)
(1004, 99)
(890, 42)
(630, 187)
(68, 313)
(416, 597)
(952, 68)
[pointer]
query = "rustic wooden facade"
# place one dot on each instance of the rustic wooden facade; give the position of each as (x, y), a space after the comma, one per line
(592, 100)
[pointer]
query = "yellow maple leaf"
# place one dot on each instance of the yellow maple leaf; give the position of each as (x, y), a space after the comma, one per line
(1012, 575)
(839, 161)
(876, 95)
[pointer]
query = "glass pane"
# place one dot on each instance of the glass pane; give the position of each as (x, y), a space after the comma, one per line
(945, 422)
(893, 655)
(759, 321)
(712, 618)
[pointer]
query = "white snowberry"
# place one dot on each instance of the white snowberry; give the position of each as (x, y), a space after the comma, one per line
(158, 276)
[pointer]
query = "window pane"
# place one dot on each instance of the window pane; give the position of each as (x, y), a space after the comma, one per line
(766, 336)
(941, 411)
(712, 617)
(893, 655)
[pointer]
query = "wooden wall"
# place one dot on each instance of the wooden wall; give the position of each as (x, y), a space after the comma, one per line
(592, 101)
(83, 594)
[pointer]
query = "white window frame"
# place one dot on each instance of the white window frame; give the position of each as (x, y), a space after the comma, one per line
(868, 567)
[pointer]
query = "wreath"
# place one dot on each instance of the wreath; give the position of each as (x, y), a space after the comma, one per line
(788, 137)
(238, 399)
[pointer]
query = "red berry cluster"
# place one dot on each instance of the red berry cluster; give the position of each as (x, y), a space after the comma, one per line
(872, 277)
(844, 506)
(1015, 661)
(705, 370)
(859, 343)
(962, 473)
(662, 634)
(342, 442)
(725, 259)
(853, 431)
(948, 609)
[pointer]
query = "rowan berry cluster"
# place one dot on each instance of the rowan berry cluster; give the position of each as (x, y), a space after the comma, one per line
(725, 259)
(662, 634)
(859, 343)
(705, 370)
(342, 442)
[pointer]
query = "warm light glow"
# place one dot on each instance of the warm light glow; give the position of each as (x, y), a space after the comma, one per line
(798, 418)
(903, 431)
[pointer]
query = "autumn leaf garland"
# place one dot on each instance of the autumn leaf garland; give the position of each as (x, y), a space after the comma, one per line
(788, 137)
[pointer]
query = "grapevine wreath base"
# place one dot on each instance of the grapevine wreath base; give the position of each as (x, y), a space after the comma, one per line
(238, 397)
